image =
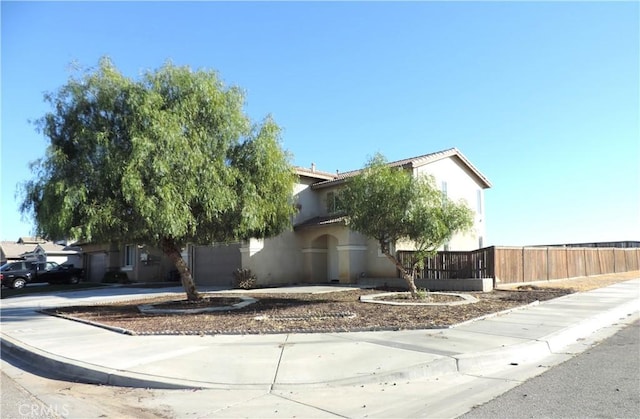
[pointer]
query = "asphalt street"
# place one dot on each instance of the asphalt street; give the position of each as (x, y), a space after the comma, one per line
(603, 382)
(17, 402)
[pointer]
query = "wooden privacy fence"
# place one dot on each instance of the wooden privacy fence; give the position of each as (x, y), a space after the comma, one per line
(526, 264)
(453, 265)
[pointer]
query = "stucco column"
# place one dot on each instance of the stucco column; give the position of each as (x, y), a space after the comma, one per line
(351, 262)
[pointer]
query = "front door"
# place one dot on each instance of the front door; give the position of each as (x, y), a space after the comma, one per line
(333, 272)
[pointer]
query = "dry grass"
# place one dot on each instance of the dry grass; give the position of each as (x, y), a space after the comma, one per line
(581, 284)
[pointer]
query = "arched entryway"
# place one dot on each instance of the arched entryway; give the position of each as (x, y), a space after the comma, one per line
(323, 259)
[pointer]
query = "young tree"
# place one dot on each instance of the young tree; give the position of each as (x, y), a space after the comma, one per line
(388, 204)
(165, 160)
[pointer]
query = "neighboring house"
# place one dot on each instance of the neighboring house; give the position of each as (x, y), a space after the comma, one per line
(320, 247)
(35, 248)
(141, 263)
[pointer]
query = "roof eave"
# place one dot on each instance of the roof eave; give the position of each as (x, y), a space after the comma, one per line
(412, 164)
(453, 152)
(313, 174)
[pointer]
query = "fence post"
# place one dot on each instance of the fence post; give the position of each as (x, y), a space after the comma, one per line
(492, 270)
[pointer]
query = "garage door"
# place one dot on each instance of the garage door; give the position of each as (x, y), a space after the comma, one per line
(214, 265)
(97, 266)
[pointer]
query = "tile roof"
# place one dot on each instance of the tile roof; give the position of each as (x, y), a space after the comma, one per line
(412, 162)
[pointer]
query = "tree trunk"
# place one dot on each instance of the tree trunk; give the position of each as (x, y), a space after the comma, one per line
(407, 276)
(170, 248)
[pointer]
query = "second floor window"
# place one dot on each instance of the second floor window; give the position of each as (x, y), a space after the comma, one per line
(333, 203)
(445, 192)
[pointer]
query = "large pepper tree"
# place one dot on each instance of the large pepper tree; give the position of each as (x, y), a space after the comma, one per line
(167, 159)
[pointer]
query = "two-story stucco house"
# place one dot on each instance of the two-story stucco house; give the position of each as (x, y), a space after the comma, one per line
(321, 248)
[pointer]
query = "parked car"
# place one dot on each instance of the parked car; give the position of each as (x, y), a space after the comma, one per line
(19, 274)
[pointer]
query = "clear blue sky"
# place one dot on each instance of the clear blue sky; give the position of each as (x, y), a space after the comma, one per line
(543, 97)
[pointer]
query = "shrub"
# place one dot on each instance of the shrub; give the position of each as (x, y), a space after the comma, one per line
(244, 279)
(423, 294)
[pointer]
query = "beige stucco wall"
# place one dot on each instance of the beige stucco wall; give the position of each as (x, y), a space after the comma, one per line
(461, 185)
(155, 268)
(378, 265)
(307, 200)
(314, 255)
(276, 260)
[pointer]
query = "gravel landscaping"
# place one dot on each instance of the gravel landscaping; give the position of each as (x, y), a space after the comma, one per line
(324, 312)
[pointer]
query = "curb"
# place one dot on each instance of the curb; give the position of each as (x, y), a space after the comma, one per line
(551, 344)
(560, 340)
(81, 372)
(439, 367)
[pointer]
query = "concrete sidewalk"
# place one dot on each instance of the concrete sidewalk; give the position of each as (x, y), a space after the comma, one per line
(286, 361)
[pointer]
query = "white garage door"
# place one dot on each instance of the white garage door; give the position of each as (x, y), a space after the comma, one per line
(214, 265)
